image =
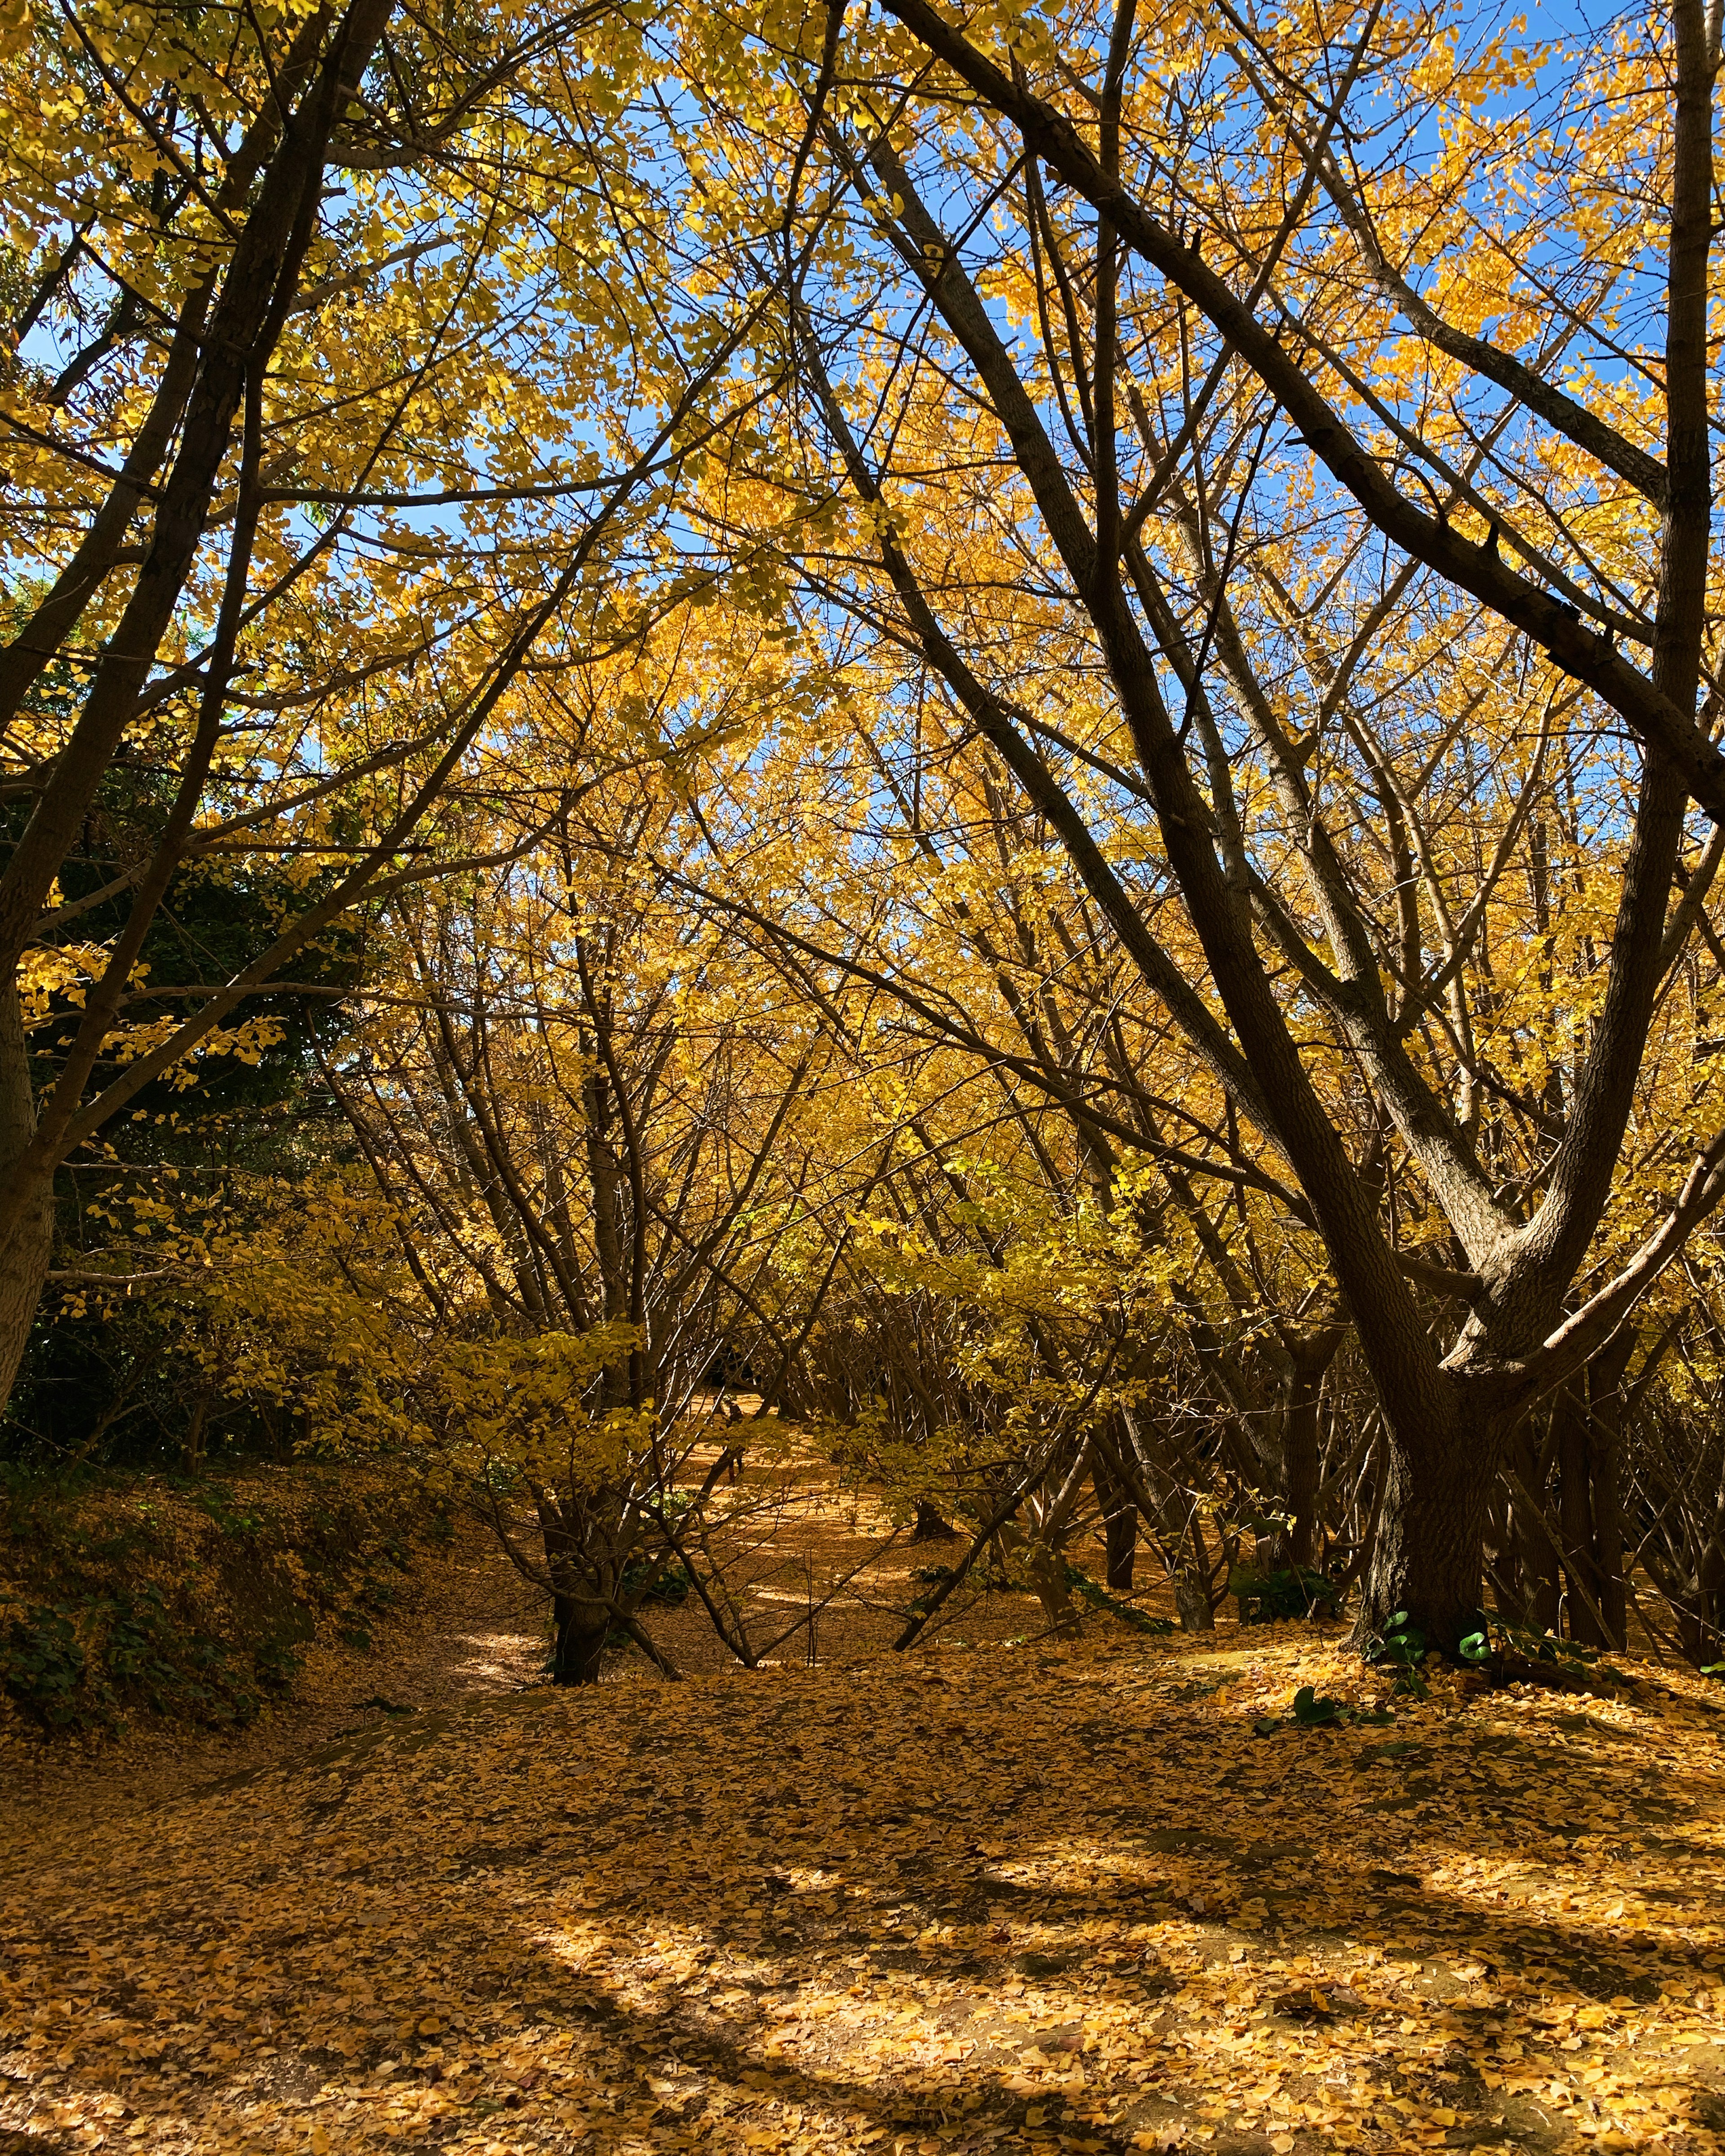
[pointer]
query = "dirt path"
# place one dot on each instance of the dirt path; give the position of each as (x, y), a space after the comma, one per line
(472, 1630)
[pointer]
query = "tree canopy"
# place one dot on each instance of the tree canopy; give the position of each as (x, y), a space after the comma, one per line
(997, 727)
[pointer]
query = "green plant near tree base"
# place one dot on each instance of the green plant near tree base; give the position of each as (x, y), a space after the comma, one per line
(79, 1667)
(42, 1665)
(1402, 1644)
(188, 1601)
(1312, 1712)
(671, 1589)
(1494, 1638)
(1295, 1591)
(980, 1580)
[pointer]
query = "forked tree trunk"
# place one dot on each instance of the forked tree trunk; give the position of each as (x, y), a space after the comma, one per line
(23, 1267)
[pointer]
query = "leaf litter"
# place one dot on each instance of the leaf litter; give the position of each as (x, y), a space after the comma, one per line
(1033, 1900)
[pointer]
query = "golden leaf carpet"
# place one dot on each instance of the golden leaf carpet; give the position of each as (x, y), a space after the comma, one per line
(1002, 1900)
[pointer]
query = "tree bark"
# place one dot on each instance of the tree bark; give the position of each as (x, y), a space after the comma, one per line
(1429, 1557)
(25, 1263)
(578, 1641)
(1120, 1523)
(1540, 1606)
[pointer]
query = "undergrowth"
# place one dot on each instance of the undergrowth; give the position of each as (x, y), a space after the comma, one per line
(192, 1600)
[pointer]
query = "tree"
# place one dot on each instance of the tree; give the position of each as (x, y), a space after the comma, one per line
(1160, 492)
(298, 482)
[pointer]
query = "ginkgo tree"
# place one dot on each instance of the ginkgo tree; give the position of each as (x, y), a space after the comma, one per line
(1269, 438)
(338, 386)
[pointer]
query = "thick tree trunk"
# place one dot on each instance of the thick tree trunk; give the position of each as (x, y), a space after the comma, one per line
(578, 1640)
(1309, 1359)
(1429, 1557)
(23, 1266)
(1587, 1415)
(1192, 1578)
(1300, 1474)
(1192, 1603)
(1605, 1375)
(1538, 1604)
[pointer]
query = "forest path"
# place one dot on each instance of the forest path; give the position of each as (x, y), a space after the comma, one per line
(1103, 1899)
(470, 1629)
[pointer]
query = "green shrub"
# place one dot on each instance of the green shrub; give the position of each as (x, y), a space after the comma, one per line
(42, 1666)
(1295, 1591)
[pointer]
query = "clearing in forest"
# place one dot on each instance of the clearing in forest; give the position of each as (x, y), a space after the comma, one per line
(1106, 1898)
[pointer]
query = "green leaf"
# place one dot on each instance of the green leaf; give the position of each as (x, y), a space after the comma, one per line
(1312, 1713)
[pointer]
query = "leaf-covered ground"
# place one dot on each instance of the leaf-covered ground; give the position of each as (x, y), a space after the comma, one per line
(1000, 1901)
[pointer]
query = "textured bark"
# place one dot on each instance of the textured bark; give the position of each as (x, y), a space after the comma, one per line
(578, 1640)
(1575, 1511)
(23, 1266)
(1120, 1523)
(1537, 1603)
(1587, 1415)
(1605, 1439)
(1192, 1603)
(1310, 1356)
(1429, 1553)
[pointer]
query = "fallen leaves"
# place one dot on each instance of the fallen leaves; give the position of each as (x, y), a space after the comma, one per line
(1044, 1902)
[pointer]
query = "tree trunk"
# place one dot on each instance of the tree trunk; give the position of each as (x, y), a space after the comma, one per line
(1192, 1603)
(931, 1526)
(1299, 1466)
(1120, 1523)
(1309, 1358)
(1604, 1437)
(578, 1640)
(1429, 1553)
(1575, 1511)
(192, 1447)
(1540, 1607)
(1192, 1578)
(23, 1267)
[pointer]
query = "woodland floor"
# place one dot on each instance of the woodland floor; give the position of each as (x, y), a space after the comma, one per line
(1001, 1898)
